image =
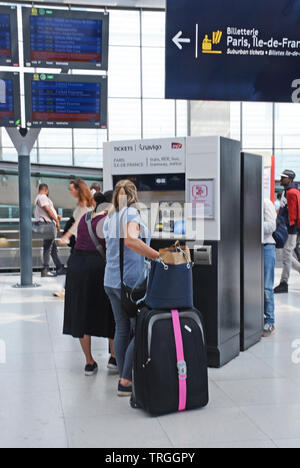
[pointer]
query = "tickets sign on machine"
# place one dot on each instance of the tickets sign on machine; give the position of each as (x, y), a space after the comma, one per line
(148, 156)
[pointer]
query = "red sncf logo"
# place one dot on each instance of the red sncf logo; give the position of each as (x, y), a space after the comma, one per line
(176, 145)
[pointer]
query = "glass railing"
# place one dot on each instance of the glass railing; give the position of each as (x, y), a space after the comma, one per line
(10, 247)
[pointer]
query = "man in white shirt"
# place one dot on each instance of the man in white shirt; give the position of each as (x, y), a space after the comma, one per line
(269, 266)
(45, 212)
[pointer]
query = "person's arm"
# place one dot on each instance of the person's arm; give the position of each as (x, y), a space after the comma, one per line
(78, 213)
(269, 219)
(132, 241)
(292, 201)
(52, 216)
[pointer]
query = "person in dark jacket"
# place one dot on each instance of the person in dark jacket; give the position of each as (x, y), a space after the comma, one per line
(87, 308)
(290, 212)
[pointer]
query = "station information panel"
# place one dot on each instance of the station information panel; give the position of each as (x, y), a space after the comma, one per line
(71, 39)
(233, 50)
(9, 51)
(66, 101)
(10, 111)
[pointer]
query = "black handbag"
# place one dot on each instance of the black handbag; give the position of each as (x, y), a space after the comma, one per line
(44, 230)
(131, 298)
(281, 234)
(68, 226)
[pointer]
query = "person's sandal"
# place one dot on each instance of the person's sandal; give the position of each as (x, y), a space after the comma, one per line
(124, 391)
(60, 294)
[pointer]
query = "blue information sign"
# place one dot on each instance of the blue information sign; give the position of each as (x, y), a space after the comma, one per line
(233, 50)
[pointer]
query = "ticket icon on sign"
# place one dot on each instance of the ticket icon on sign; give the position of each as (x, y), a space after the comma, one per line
(207, 45)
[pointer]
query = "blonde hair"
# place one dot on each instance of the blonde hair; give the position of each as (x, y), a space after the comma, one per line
(126, 190)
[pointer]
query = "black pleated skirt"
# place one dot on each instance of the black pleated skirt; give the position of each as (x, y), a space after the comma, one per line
(87, 307)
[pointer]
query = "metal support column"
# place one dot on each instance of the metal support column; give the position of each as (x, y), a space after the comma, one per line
(24, 141)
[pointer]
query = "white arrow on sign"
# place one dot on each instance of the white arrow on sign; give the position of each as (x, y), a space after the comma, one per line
(178, 40)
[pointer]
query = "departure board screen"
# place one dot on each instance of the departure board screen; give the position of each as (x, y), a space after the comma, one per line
(55, 38)
(66, 100)
(9, 55)
(10, 114)
(5, 42)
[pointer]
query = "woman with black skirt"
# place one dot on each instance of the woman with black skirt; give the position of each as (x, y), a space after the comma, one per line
(87, 308)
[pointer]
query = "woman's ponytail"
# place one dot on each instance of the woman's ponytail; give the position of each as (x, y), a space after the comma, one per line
(125, 194)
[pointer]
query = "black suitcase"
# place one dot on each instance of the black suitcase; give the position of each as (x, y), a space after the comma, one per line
(158, 374)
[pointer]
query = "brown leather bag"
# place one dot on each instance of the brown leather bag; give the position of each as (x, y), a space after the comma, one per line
(176, 254)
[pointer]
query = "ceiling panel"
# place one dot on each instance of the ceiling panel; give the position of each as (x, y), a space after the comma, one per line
(153, 4)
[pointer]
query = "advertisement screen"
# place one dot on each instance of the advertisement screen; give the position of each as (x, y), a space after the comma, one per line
(67, 39)
(233, 50)
(9, 55)
(64, 100)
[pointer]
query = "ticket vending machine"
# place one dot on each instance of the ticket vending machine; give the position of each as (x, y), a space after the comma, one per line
(217, 267)
(200, 177)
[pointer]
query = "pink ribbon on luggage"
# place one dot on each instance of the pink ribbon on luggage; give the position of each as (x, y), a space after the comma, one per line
(181, 364)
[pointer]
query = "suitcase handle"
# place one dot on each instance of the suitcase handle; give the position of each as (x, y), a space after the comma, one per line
(181, 364)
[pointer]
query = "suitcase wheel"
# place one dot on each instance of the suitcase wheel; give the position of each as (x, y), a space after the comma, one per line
(133, 403)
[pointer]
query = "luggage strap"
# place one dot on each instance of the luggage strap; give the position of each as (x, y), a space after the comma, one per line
(181, 364)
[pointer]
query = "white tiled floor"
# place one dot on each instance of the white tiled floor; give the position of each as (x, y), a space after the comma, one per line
(46, 401)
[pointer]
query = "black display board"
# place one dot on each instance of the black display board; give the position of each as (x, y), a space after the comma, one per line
(252, 255)
(10, 110)
(65, 39)
(9, 50)
(65, 101)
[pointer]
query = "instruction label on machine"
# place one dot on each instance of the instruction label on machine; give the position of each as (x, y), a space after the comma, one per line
(148, 156)
(202, 193)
